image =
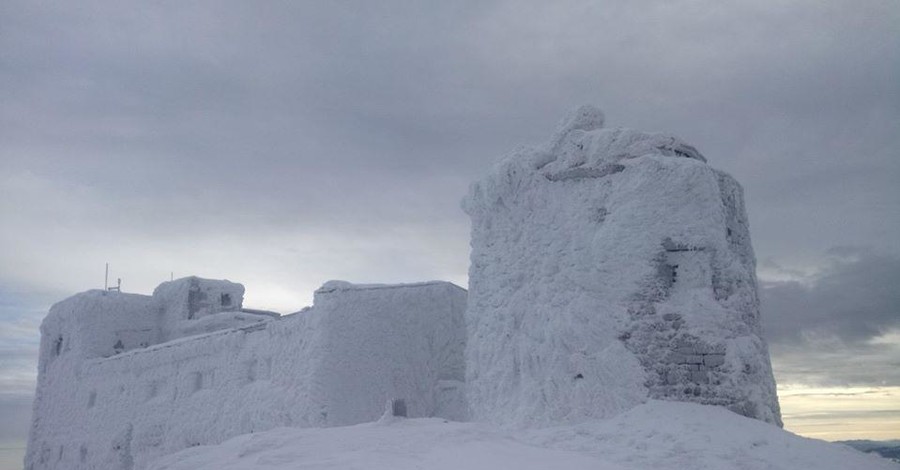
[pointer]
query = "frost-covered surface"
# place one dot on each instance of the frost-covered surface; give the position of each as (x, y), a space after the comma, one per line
(418, 444)
(610, 266)
(333, 364)
(190, 301)
(101, 324)
(657, 435)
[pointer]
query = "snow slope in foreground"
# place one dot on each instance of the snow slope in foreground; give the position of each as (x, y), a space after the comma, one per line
(658, 435)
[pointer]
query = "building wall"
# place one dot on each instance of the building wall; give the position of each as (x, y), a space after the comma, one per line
(99, 324)
(334, 364)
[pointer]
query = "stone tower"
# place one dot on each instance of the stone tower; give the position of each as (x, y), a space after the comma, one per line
(610, 266)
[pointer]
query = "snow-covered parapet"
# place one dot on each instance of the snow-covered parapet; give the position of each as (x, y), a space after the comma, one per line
(610, 266)
(335, 363)
(100, 323)
(194, 305)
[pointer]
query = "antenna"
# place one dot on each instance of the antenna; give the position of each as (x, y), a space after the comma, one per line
(172, 275)
(106, 287)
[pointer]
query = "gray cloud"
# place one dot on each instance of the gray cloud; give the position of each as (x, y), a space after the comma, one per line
(854, 299)
(836, 325)
(195, 119)
(16, 414)
(285, 143)
(20, 315)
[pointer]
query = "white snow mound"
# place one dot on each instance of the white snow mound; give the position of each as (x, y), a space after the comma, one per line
(658, 435)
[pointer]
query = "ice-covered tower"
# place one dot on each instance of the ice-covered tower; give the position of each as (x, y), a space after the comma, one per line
(610, 266)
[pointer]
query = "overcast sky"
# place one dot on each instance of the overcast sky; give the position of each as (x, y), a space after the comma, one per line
(282, 144)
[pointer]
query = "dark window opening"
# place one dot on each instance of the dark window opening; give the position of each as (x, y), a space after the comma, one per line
(57, 346)
(398, 407)
(579, 376)
(225, 300)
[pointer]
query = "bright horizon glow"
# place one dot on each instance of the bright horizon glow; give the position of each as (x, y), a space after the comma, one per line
(841, 413)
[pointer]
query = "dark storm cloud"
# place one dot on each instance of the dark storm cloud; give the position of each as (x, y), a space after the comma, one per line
(856, 298)
(241, 118)
(826, 362)
(338, 112)
(839, 325)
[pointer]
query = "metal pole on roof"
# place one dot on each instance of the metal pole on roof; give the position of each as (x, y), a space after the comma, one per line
(106, 278)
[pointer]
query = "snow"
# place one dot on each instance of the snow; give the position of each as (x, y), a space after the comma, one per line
(676, 435)
(610, 266)
(332, 364)
(98, 324)
(659, 435)
(187, 301)
(610, 269)
(403, 444)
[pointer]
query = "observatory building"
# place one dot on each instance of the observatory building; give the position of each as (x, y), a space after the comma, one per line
(608, 267)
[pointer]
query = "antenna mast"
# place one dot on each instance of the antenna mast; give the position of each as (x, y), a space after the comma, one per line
(106, 287)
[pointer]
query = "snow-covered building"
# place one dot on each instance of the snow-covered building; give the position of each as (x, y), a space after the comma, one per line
(609, 267)
(125, 378)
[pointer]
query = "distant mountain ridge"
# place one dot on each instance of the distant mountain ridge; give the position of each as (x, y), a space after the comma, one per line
(887, 449)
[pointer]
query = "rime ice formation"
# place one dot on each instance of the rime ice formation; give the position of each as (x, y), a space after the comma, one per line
(120, 384)
(608, 267)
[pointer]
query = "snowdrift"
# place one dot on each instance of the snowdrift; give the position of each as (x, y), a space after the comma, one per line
(657, 435)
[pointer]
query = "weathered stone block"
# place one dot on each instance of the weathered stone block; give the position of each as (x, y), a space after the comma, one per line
(677, 358)
(543, 267)
(714, 360)
(696, 359)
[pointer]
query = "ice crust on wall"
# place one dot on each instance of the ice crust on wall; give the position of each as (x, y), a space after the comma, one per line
(194, 305)
(336, 363)
(99, 324)
(610, 266)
